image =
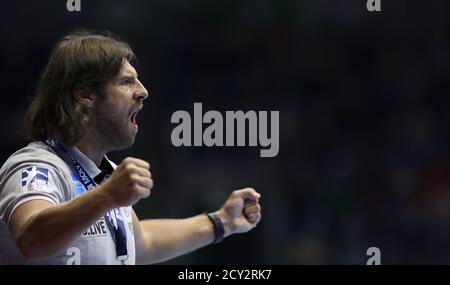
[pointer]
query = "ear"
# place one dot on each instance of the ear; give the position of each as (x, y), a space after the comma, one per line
(85, 95)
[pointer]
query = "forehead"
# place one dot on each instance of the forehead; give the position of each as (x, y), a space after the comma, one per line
(127, 69)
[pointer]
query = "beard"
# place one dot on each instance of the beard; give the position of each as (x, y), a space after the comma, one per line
(113, 128)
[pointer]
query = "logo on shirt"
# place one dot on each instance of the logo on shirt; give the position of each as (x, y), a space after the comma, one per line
(35, 179)
(97, 229)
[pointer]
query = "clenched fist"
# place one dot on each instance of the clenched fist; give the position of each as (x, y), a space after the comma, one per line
(130, 182)
(241, 212)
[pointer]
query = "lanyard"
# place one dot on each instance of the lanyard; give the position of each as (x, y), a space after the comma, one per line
(113, 217)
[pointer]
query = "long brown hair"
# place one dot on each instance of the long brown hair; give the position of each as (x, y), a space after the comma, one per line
(79, 59)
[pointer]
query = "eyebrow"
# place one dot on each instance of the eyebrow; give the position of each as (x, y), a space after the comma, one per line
(129, 73)
(128, 76)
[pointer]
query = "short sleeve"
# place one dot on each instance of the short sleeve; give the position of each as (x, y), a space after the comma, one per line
(31, 181)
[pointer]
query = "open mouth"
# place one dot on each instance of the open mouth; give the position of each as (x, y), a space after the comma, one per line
(133, 118)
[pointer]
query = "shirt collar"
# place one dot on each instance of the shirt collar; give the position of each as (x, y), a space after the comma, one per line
(106, 165)
(89, 166)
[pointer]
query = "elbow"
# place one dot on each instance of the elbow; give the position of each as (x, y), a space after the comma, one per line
(31, 246)
(27, 246)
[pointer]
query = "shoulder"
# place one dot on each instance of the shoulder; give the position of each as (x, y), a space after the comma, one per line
(34, 150)
(33, 172)
(35, 154)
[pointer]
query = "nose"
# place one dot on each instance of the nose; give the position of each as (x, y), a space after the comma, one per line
(140, 92)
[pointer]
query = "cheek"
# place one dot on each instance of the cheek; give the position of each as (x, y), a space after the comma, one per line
(116, 109)
(110, 113)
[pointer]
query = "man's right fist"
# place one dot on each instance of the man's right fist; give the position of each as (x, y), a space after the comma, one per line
(130, 182)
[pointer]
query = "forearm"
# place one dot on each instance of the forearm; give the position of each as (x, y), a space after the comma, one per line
(50, 230)
(167, 238)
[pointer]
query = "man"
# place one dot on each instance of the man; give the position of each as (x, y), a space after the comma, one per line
(62, 201)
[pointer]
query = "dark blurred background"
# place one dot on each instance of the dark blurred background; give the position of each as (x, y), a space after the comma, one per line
(364, 124)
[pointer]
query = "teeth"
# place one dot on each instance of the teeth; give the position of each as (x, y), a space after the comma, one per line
(133, 117)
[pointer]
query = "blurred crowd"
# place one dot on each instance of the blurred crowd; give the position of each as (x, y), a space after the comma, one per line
(364, 124)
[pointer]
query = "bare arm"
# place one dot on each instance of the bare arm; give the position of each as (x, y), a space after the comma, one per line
(163, 239)
(160, 240)
(41, 229)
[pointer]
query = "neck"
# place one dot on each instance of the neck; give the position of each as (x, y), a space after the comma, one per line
(91, 149)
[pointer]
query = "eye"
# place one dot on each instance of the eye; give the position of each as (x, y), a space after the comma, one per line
(126, 82)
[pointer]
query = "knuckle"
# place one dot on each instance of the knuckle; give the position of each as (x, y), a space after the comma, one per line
(134, 177)
(135, 188)
(129, 176)
(151, 184)
(128, 167)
